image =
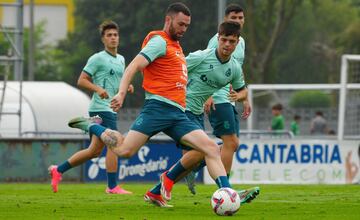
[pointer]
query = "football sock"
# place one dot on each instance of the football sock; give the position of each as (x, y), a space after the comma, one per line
(111, 178)
(64, 167)
(156, 189)
(96, 129)
(200, 166)
(175, 171)
(222, 181)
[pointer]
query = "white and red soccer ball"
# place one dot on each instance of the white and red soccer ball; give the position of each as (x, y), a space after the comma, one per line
(225, 201)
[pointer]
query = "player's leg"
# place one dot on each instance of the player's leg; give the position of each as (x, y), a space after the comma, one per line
(201, 142)
(111, 163)
(109, 120)
(225, 123)
(176, 173)
(114, 140)
(230, 144)
(94, 150)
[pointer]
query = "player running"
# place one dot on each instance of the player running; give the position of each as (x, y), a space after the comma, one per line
(101, 75)
(165, 77)
(209, 70)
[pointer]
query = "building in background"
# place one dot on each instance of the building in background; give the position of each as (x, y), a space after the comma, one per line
(58, 16)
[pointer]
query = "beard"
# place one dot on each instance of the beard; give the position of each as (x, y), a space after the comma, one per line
(172, 33)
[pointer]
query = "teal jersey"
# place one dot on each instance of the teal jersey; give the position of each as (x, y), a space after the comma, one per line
(156, 47)
(206, 75)
(105, 71)
(221, 96)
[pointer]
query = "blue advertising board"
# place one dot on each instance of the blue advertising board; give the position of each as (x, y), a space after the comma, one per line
(146, 165)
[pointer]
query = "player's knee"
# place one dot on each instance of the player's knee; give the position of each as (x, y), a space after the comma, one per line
(233, 144)
(125, 153)
(212, 150)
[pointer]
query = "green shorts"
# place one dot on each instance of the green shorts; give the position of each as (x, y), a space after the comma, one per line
(157, 116)
(224, 120)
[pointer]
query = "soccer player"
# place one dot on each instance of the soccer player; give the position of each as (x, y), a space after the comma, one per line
(165, 77)
(222, 114)
(209, 70)
(101, 75)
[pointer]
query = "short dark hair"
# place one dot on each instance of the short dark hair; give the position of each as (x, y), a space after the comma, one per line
(233, 8)
(228, 28)
(177, 7)
(108, 24)
(319, 113)
(277, 107)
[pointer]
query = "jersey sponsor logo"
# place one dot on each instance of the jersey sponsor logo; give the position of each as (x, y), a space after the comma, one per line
(209, 82)
(180, 85)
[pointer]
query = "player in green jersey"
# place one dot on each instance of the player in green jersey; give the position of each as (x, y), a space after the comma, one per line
(101, 75)
(208, 71)
(222, 114)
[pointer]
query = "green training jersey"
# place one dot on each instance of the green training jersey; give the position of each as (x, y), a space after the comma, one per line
(277, 123)
(221, 96)
(206, 75)
(105, 71)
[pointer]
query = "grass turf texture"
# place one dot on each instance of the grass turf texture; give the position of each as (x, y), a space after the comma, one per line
(89, 201)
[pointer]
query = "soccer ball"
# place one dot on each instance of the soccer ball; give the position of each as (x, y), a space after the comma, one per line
(225, 201)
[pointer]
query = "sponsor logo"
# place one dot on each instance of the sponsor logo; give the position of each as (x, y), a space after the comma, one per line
(145, 166)
(284, 153)
(97, 164)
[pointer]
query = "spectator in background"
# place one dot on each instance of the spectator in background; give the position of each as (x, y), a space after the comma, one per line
(318, 124)
(331, 132)
(277, 122)
(294, 126)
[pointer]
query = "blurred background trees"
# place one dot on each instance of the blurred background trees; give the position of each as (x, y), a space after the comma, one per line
(287, 41)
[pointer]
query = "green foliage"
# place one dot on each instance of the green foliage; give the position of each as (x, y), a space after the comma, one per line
(46, 64)
(310, 99)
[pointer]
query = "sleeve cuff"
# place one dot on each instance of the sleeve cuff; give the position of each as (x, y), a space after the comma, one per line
(146, 57)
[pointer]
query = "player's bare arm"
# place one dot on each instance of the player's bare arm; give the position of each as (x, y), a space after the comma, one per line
(209, 104)
(136, 65)
(85, 82)
(238, 96)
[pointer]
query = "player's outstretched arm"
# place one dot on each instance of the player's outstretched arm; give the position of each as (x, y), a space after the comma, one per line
(136, 65)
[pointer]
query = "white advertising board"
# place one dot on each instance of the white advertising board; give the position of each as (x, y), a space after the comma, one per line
(295, 162)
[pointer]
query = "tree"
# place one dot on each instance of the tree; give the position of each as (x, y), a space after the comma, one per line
(46, 63)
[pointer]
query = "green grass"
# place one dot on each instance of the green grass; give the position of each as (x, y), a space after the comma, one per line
(88, 201)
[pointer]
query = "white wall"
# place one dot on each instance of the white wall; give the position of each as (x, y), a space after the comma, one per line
(55, 16)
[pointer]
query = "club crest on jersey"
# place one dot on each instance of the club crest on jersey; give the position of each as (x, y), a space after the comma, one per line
(228, 73)
(211, 67)
(112, 72)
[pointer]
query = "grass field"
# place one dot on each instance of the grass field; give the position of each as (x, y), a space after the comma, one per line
(88, 201)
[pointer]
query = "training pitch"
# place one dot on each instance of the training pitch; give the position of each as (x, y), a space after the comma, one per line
(89, 201)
